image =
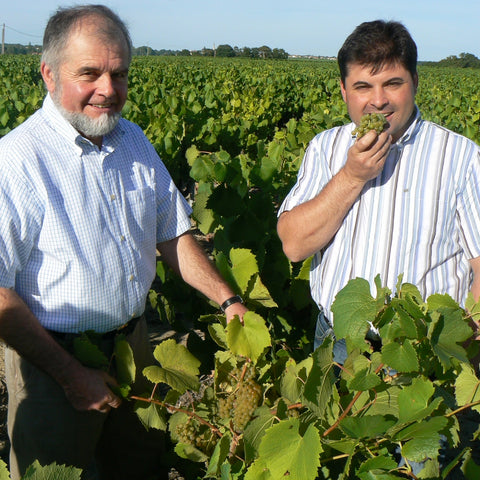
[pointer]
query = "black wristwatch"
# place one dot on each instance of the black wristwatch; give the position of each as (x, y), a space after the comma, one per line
(231, 301)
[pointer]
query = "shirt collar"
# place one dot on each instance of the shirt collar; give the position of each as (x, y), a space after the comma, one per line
(64, 128)
(412, 129)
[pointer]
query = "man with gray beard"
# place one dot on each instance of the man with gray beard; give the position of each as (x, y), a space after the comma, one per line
(85, 202)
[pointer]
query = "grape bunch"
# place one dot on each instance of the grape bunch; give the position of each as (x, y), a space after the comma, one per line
(186, 433)
(247, 397)
(240, 402)
(226, 406)
(200, 436)
(370, 121)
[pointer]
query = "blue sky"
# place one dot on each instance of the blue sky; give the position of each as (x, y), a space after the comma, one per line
(307, 27)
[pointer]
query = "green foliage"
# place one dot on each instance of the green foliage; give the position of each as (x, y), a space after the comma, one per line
(233, 134)
(51, 472)
(22, 89)
(315, 419)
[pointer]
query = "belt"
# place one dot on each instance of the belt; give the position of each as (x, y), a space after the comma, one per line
(125, 329)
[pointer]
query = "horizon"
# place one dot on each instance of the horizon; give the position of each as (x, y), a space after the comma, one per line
(321, 57)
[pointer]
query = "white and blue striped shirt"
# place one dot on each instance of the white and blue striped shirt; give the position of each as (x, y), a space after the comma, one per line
(79, 225)
(420, 217)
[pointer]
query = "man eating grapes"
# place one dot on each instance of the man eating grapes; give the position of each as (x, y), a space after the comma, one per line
(405, 201)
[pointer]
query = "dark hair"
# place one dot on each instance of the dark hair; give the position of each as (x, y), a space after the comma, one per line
(62, 23)
(377, 44)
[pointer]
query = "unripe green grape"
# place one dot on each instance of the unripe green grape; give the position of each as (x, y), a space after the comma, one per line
(247, 398)
(186, 433)
(370, 121)
(200, 436)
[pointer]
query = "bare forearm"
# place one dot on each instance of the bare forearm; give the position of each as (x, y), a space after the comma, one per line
(21, 330)
(307, 228)
(475, 288)
(187, 258)
(86, 389)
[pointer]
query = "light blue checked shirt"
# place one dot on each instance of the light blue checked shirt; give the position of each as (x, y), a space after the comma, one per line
(79, 225)
(420, 217)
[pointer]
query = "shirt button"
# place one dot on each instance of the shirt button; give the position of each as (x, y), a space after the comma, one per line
(130, 278)
(112, 196)
(122, 238)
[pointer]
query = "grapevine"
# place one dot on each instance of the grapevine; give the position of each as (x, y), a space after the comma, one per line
(264, 408)
(243, 131)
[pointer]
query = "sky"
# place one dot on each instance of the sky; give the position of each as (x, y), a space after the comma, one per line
(440, 28)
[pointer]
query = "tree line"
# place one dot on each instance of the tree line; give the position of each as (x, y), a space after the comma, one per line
(220, 51)
(223, 50)
(464, 60)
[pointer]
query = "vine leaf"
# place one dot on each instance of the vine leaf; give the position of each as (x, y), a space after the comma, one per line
(289, 451)
(368, 426)
(150, 415)
(255, 431)
(406, 318)
(423, 439)
(293, 378)
(192, 154)
(377, 468)
(360, 372)
(219, 455)
(4, 473)
(250, 338)
(353, 309)
(244, 266)
(400, 356)
(258, 471)
(364, 380)
(438, 301)
(224, 201)
(413, 400)
(238, 269)
(218, 334)
(259, 293)
(179, 368)
(469, 468)
(189, 452)
(204, 217)
(124, 360)
(50, 472)
(472, 307)
(88, 353)
(202, 169)
(467, 387)
(319, 385)
(447, 332)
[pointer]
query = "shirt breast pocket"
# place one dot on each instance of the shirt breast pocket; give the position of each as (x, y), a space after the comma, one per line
(140, 212)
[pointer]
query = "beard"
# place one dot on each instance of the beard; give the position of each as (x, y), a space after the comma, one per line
(91, 127)
(85, 125)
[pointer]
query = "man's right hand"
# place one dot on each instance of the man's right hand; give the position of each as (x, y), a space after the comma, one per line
(85, 388)
(88, 389)
(366, 157)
